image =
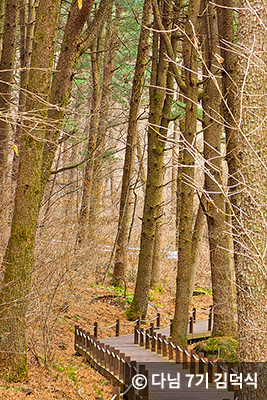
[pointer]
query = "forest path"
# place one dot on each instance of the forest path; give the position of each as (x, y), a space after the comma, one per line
(157, 364)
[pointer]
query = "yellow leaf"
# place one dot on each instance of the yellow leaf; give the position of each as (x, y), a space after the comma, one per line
(80, 3)
(15, 150)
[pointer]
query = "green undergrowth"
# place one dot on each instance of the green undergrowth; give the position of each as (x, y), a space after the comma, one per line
(68, 369)
(14, 388)
(123, 296)
(200, 291)
(221, 347)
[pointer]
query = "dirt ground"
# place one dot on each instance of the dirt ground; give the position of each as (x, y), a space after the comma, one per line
(68, 376)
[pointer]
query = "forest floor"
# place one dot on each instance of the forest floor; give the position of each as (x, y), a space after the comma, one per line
(68, 376)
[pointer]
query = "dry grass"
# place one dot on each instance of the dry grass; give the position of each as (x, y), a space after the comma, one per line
(66, 376)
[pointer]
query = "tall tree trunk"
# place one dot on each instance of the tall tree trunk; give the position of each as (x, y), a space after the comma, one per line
(199, 227)
(165, 120)
(140, 156)
(121, 256)
(220, 257)
(35, 166)
(19, 253)
(175, 155)
(73, 45)
(186, 177)
(2, 13)
(6, 78)
(92, 137)
(227, 38)
(108, 71)
(250, 197)
(155, 171)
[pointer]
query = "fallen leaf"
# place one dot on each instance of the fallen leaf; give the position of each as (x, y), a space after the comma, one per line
(15, 150)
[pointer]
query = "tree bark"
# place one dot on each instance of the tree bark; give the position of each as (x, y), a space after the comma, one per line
(19, 253)
(73, 45)
(165, 120)
(6, 78)
(155, 171)
(250, 197)
(186, 177)
(2, 13)
(220, 257)
(121, 256)
(91, 148)
(108, 71)
(227, 39)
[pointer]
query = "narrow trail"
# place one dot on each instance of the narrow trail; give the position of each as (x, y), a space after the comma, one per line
(161, 366)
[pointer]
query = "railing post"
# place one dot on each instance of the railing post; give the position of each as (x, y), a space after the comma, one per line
(210, 319)
(112, 361)
(201, 364)
(101, 354)
(116, 363)
(185, 361)
(159, 343)
(158, 320)
(229, 384)
(191, 322)
(97, 351)
(194, 314)
(141, 336)
(151, 329)
(78, 337)
(94, 349)
(170, 350)
(87, 342)
(136, 334)
(95, 330)
(83, 339)
(164, 346)
(138, 323)
(107, 357)
(153, 343)
(147, 340)
(127, 371)
(76, 340)
(117, 327)
(178, 353)
(171, 327)
(210, 369)
(192, 362)
(116, 391)
(128, 378)
(219, 365)
(121, 372)
(145, 391)
(132, 395)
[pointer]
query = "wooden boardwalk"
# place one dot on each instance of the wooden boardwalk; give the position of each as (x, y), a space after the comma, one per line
(157, 364)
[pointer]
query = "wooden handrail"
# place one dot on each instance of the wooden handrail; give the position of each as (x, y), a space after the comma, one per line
(109, 362)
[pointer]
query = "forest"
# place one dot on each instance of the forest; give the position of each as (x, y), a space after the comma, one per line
(133, 161)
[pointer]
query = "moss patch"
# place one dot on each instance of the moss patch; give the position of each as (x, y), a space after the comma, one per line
(220, 347)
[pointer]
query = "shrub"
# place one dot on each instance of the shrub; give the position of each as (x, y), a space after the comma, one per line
(220, 347)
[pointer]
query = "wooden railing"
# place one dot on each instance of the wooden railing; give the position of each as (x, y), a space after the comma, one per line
(161, 345)
(157, 323)
(112, 364)
(120, 370)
